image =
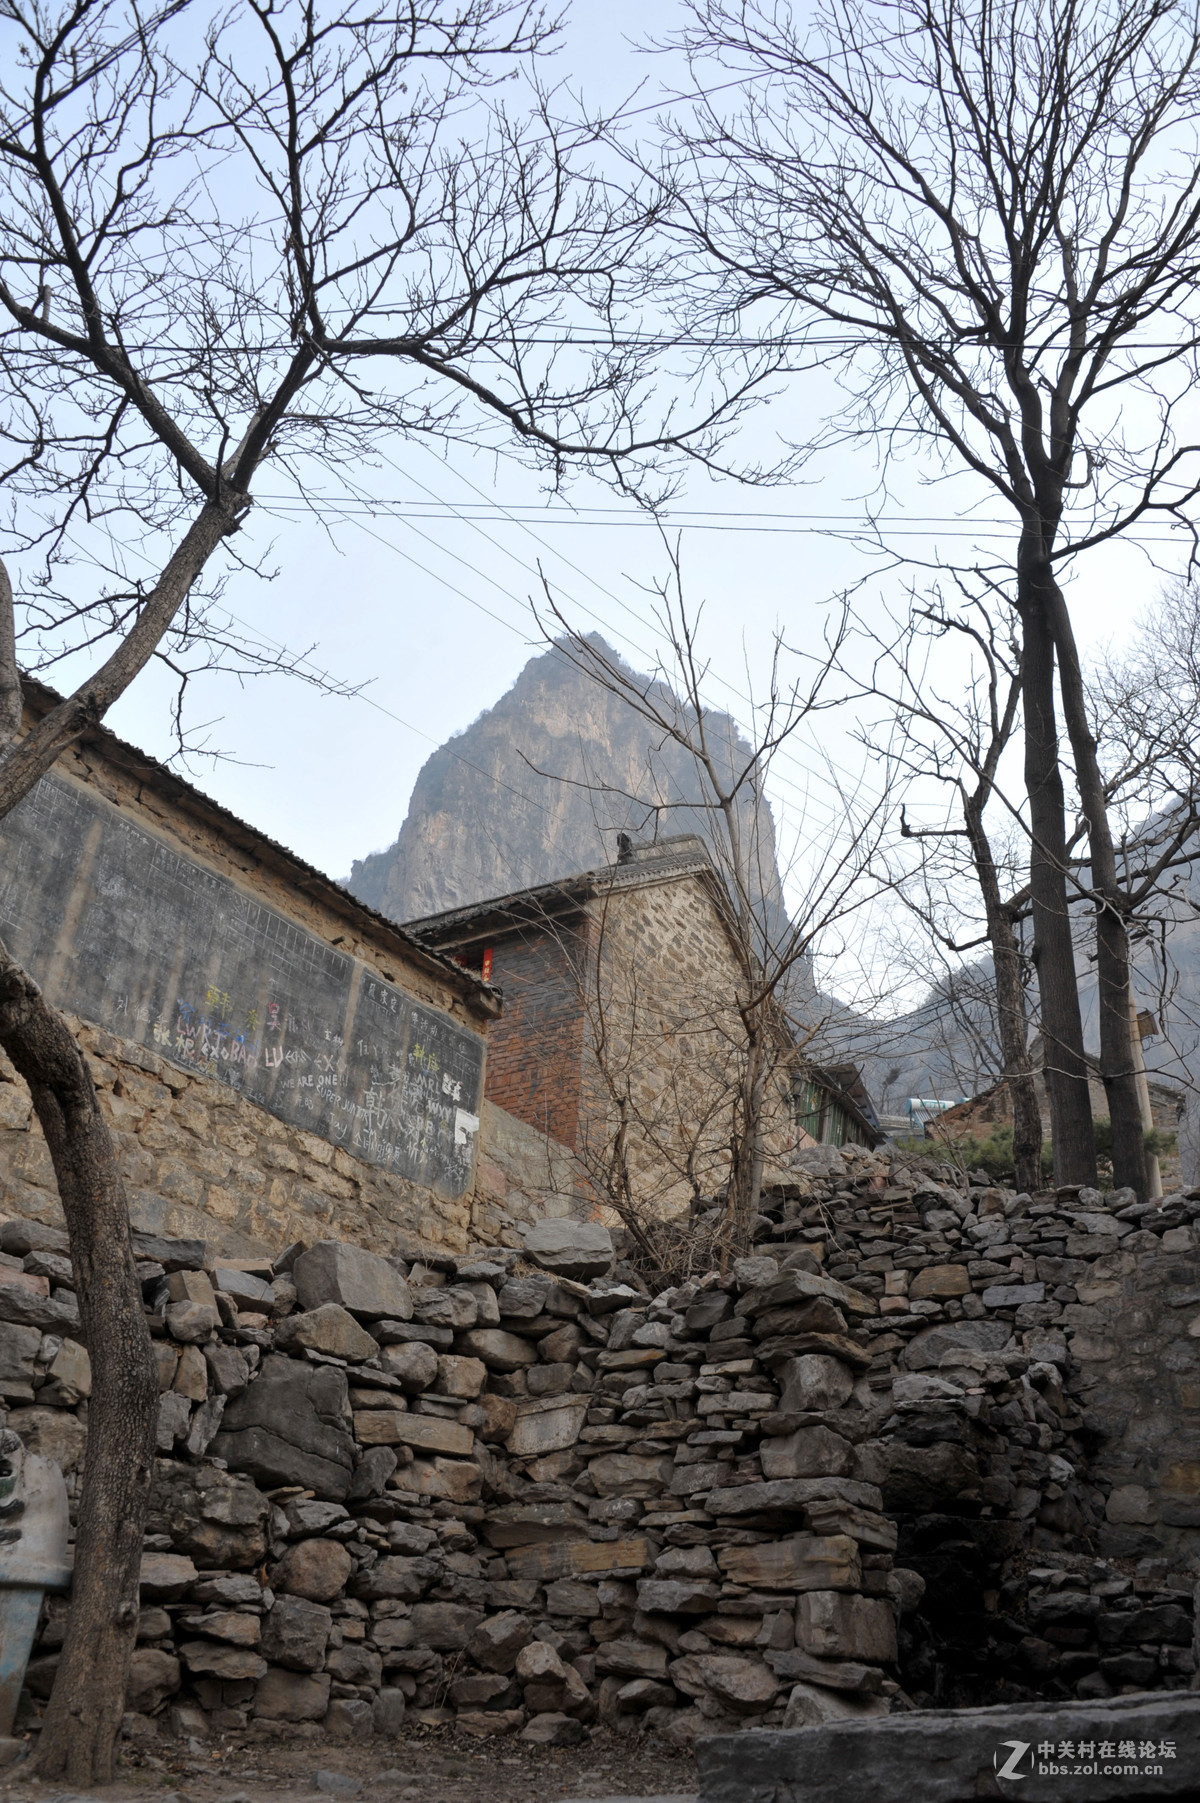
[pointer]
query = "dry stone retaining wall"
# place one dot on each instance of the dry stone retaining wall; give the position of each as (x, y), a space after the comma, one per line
(852, 1474)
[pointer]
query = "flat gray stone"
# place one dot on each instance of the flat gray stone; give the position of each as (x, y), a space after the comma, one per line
(579, 1249)
(51, 1314)
(22, 1237)
(291, 1427)
(956, 1755)
(359, 1281)
(1013, 1295)
(19, 1347)
(171, 1254)
(926, 1349)
(793, 1494)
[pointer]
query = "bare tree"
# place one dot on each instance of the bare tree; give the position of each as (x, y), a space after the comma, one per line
(1145, 705)
(995, 209)
(1145, 715)
(261, 237)
(779, 1011)
(958, 743)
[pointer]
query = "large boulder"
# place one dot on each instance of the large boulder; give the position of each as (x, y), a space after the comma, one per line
(360, 1281)
(219, 1520)
(446, 1627)
(292, 1427)
(496, 1642)
(743, 1685)
(153, 1677)
(314, 1569)
(499, 1349)
(415, 1366)
(53, 1433)
(813, 1381)
(926, 1350)
(165, 1576)
(579, 1249)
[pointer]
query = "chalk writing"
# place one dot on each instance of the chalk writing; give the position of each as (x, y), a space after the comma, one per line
(131, 934)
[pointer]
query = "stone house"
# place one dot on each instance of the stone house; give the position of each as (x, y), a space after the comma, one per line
(620, 1041)
(277, 1061)
(980, 1115)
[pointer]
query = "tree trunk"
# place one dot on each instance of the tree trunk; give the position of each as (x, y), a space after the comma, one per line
(1065, 1066)
(1117, 1063)
(1010, 1008)
(81, 1724)
(745, 1177)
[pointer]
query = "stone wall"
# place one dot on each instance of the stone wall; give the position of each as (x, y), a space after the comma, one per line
(866, 1469)
(521, 1176)
(1035, 1432)
(664, 1057)
(200, 1159)
(484, 1492)
(345, 1103)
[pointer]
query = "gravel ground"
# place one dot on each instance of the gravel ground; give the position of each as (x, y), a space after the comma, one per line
(425, 1766)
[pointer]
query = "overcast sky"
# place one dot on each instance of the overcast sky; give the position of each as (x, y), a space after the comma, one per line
(430, 613)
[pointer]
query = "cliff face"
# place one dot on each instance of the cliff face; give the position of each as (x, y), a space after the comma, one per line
(537, 788)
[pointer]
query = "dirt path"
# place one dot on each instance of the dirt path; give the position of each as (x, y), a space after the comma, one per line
(425, 1766)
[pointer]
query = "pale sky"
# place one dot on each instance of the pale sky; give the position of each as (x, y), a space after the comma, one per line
(431, 613)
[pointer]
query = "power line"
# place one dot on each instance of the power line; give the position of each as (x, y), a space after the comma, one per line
(908, 525)
(784, 755)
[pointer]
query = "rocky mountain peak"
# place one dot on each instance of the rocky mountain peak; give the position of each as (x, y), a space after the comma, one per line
(538, 787)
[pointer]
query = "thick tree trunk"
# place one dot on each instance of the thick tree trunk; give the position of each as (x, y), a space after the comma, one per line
(1066, 1075)
(1010, 1009)
(1117, 1062)
(81, 1725)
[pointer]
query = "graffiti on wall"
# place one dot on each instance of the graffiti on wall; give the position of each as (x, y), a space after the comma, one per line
(119, 927)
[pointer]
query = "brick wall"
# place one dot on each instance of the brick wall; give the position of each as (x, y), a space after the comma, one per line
(534, 1049)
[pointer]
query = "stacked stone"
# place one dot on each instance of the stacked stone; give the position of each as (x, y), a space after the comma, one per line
(989, 1373)
(486, 1491)
(517, 1491)
(735, 1567)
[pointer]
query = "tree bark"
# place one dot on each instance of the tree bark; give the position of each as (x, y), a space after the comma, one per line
(1010, 1007)
(1117, 1063)
(11, 700)
(80, 1729)
(1065, 1067)
(745, 1177)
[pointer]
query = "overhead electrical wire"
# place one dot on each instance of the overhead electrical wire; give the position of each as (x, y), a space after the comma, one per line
(908, 525)
(831, 812)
